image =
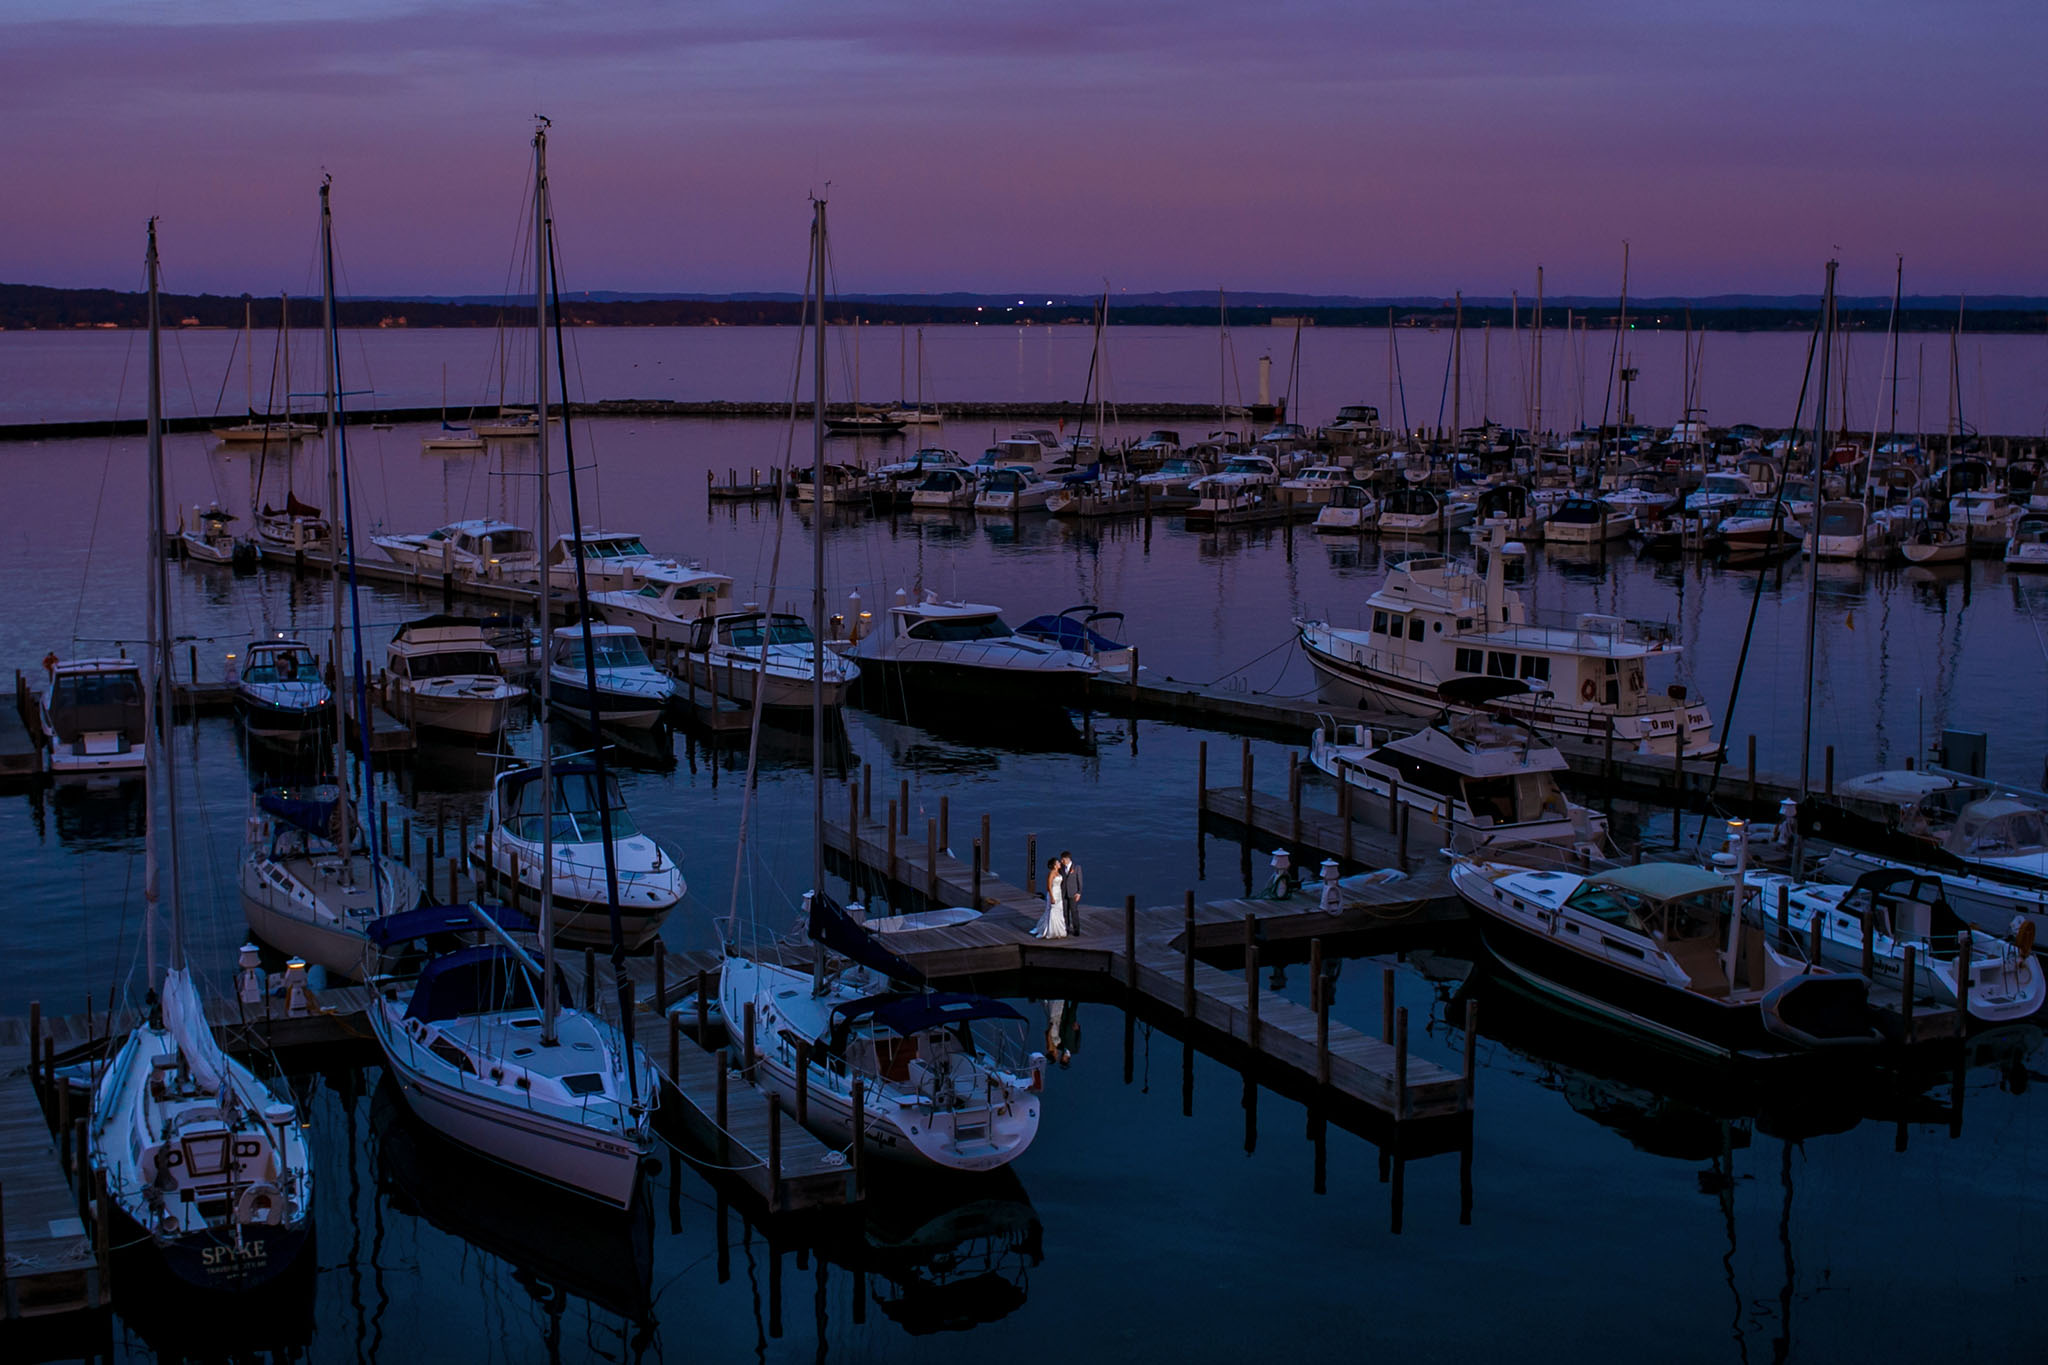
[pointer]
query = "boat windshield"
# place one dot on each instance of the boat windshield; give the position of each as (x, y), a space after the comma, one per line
(614, 549)
(505, 540)
(576, 814)
(96, 689)
(454, 663)
(780, 630)
(612, 651)
(280, 666)
(954, 628)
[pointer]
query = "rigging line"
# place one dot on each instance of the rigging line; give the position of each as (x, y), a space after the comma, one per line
(99, 504)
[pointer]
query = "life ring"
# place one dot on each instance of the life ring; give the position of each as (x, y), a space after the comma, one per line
(261, 1203)
(1587, 690)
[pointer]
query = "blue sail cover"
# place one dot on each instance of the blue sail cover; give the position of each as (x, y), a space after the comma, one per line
(307, 808)
(833, 927)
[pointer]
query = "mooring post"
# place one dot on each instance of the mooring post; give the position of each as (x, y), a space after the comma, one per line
(977, 874)
(1134, 675)
(1130, 943)
(931, 858)
(1908, 986)
(1201, 777)
(703, 1004)
(747, 1054)
(945, 821)
(1401, 1063)
(1246, 773)
(1963, 946)
(860, 1132)
(1752, 770)
(867, 792)
(903, 804)
(660, 979)
(1405, 810)
(1187, 958)
(1829, 770)
(889, 867)
(1607, 757)
(1251, 981)
(853, 819)
(1319, 998)
(1386, 1004)
(1031, 877)
(774, 1154)
(1294, 797)
(724, 1086)
(1471, 1052)
(1813, 953)
(983, 857)
(64, 1124)
(1393, 805)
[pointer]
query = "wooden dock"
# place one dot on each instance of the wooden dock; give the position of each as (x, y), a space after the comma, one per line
(743, 1132)
(52, 1263)
(21, 741)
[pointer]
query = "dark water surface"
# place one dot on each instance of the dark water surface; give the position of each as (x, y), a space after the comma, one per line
(1616, 1201)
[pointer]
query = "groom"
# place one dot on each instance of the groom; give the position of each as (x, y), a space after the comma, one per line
(1070, 885)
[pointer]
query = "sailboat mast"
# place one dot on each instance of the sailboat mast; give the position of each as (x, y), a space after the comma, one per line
(550, 1003)
(249, 351)
(1457, 369)
(1898, 285)
(343, 812)
(157, 692)
(284, 328)
(1820, 432)
(818, 577)
(1222, 361)
(1536, 387)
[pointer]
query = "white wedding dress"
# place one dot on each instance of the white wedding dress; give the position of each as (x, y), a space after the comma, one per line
(1053, 923)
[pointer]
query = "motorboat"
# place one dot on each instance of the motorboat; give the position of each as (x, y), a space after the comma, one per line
(1171, 484)
(913, 467)
(210, 538)
(481, 548)
(1412, 510)
(1351, 510)
(1508, 507)
(280, 694)
(1356, 423)
(1579, 676)
(935, 1092)
(468, 1033)
(612, 561)
(1845, 530)
(1757, 526)
(1992, 860)
(293, 528)
(1014, 489)
(1642, 497)
(965, 651)
(508, 856)
(1587, 521)
(1315, 485)
(1986, 514)
(2027, 547)
(772, 655)
(308, 897)
(1287, 437)
(1085, 630)
(631, 691)
(668, 604)
(1720, 489)
(943, 490)
(92, 716)
(1244, 489)
(445, 675)
(1907, 908)
(1663, 951)
(1159, 446)
(1095, 492)
(843, 484)
(1485, 781)
(1938, 542)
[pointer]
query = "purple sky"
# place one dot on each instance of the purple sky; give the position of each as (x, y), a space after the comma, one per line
(1383, 148)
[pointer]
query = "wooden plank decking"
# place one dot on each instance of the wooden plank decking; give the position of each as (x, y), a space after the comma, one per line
(51, 1264)
(787, 1167)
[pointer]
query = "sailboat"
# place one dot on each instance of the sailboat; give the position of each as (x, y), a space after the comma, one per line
(451, 436)
(482, 1045)
(914, 414)
(931, 1091)
(312, 884)
(264, 430)
(211, 1164)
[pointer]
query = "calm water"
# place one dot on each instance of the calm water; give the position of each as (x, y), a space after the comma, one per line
(1615, 1201)
(1741, 377)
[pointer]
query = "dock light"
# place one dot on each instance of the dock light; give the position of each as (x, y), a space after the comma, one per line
(1282, 860)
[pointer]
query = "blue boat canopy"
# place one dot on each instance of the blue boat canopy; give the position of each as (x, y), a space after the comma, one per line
(1068, 633)
(477, 980)
(913, 1012)
(833, 927)
(306, 808)
(430, 921)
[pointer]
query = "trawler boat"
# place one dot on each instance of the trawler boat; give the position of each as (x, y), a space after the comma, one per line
(1583, 676)
(1411, 510)
(508, 857)
(481, 548)
(630, 690)
(943, 490)
(445, 675)
(1587, 521)
(1242, 490)
(280, 694)
(293, 528)
(1172, 483)
(1907, 908)
(1351, 510)
(935, 1092)
(467, 1032)
(613, 561)
(210, 538)
(725, 656)
(307, 897)
(1662, 950)
(668, 604)
(2028, 546)
(1014, 489)
(1846, 530)
(966, 651)
(1485, 781)
(93, 716)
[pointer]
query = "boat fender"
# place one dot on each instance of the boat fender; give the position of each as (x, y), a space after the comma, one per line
(1038, 1071)
(261, 1203)
(1587, 691)
(2023, 936)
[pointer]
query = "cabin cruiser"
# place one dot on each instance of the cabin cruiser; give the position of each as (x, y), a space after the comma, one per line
(1486, 782)
(507, 857)
(307, 897)
(891, 485)
(92, 716)
(1025, 452)
(668, 604)
(1580, 677)
(1757, 526)
(1907, 908)
(965, 651)
(1080, 629)
(1314, 485)
(1846, 530)
(292, 529)
(1662, 950)
(1720, 489)
(2027, 548)
(630, 690)
(1159, 446)
(1244, 485)
(1992, 859)
(1172, 483)
(481, 548)
(1287, 437)
(1986, 513)
(280, 693)
(444, 675)
(1508, 507)
(1094, 492)
(1586, 521)
(1641, 497)
(943, 490)
(1412, 510)
(1355, 422)
(1013, 489)
(724, 655)
(844, 484)
(210, 538)
(612, 561)
(1351, 510)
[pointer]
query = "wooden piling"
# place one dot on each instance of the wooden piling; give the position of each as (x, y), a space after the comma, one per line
(64, 1124)
(1869, 947)
(1828, 780)
(1406, 810)
(1752, 770)
(867, 793)
(889, 867)
(703, 1004)
(1134, 675)
(1963, 945)
(774, 1154)
(1386, 1004)
(1319, 997)
(983, 857)
(977, 874)
(1245, 776)
(1607, 754)
(724, 1087)
(803, 1081)
(747, 1044)
(1032, 876)
(1471, 1050)
(1130, 943)
(853, 807)
(1293, 798)
(931, 858)
(1813, 951)
(1187, 959)
(454, 871)
(1201, 776)
(1251, 982)
(945, 821)
(675, 1048)
(660, 979)
(1908, 988)
(903, 804)
(1401, 1063)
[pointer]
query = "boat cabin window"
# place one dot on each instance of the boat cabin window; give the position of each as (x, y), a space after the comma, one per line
(1536, 666)
(280, 666)
(781, 630)
(505, 540)
(1470, 661)
(1379, 623)
(954, 628)
(576, 816)
(454, 663)
(614, 549)
(1491, 799)
(1415, 627)
(1499, 665)
(612, 651)
(96, 689)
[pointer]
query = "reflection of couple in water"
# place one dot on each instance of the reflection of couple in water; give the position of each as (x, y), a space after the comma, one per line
(1062, 1030)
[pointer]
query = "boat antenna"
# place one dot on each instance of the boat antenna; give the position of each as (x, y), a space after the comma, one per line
(817, 596)
(600, 775)
(551, 1004)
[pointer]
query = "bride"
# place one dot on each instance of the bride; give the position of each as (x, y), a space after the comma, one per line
(1053, 923)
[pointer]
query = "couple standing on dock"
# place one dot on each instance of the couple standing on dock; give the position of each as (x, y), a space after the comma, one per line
(1062, 915)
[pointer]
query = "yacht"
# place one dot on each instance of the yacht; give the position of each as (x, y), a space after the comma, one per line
(1992, 858)
(1351, 510)
(1587, 521)
(1242, 489)
(667, 605)
(1014, 489)
(844, 484)
(965, 651)
(1093, 492)
(1315, 485)
(724, 656)
(1356, 422)
(1845, 529)
(1757, 526)
(1987, 513)
(309, 898)
(482, 548)
(613, 561)
(1580, 677)
(1080, 629)
(508, 857)
(1662, 950)
(280, 694)
(1509, 508)
(631, 691)
(943, 490)
(210, 538)
(1485, 781)
(1159, 446)
(2027, 548)
(445, 675)
(1642, 497)
(293, 528)
(1172, 483)
(92, 716)
(1411, 510)
(1718, 490)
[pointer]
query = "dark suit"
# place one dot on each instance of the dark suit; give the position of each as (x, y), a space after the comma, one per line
(1070, 885)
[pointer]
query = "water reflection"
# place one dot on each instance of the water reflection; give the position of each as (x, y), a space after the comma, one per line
(98, 814)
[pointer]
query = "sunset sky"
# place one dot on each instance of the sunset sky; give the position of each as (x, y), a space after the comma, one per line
(1365, 148)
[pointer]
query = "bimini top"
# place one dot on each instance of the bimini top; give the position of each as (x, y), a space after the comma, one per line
(906, 1013)
(1662, 881)
(477, 980)
(307, 808)
(1998, 827)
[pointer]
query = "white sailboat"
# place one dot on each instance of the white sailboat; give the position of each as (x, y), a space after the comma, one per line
(210, 1164)
(930, 1091)
(480, 1041)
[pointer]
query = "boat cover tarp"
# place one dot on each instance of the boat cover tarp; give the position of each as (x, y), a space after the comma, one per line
(431, 920)
(833, 927)
(185, 1018)
(1663, 881)
(476, 980)
(1067, 633)
(308, 808)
